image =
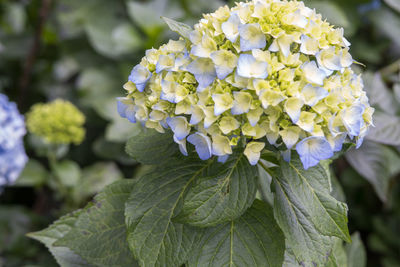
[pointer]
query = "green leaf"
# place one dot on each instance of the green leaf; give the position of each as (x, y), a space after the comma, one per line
(289, 259)
(387, 22)
(395, 4)
(153, 236)
(386, 130)
(120, 130)
(312, 189)
(306, 211)
(95, 178)
(112, 35)
(264, 183)
(178, 27)
(378, 93)
(64, 256)
(337, 190)
(330, 11)
(99, 235)
(111, 151)
(14, 15)
(34, 174)
(338, 256)
(223, 193)
(67, 172)
(151, 147)
(356, 255)
(147, 15)
(253, 239)
(372, 161)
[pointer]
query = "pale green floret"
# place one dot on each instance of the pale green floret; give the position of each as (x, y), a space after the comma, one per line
(57, 122)
(266, 70)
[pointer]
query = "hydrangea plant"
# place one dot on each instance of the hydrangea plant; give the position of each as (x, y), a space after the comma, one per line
(258, 98)
(12, 153)
(268, 71)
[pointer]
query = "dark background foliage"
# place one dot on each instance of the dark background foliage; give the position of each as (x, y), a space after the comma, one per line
(83, 51)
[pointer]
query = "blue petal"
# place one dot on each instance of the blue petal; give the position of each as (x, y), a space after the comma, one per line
(247, 42)
(203, 70)
(130, 114)
(232, 23)
(308, 161)
(313, 149)
(360, 140)
(250, 67)
(140, 86)
(182, 145)
(287, 154)
(354, 120)
(223, 159)
(202, 144)
(222, 72)
(205, 79)
(179, 126)
(338, 142)
(121, 107)
(140, 76)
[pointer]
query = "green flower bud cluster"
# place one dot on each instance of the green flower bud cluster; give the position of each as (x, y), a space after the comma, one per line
(57, 122)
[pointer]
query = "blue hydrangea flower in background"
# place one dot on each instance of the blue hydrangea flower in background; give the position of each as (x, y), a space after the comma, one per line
(12, 153)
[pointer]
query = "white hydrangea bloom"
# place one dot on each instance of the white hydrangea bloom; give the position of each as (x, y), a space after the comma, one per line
(264, 71)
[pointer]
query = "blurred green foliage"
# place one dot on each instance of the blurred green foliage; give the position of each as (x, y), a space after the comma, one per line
(83, 51)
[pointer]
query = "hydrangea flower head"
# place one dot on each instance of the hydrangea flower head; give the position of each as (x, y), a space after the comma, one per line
(12, 152)
(57, 122)
(266, 71)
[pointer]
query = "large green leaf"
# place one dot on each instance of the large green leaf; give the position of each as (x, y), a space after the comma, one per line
(253, 239)
(223, 193)
(386, 130)
(372, 161)
(99, 235)
(151, 147)
(153, 237)
(356, 255)
(306, 211)
(64, 256)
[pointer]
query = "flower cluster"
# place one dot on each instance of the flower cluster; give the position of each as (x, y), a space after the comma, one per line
(12, 152)
(265, 70)
(58, 122)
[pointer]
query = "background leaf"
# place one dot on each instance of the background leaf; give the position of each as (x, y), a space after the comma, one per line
(356, 255)
(370, 161)
(386, 130)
